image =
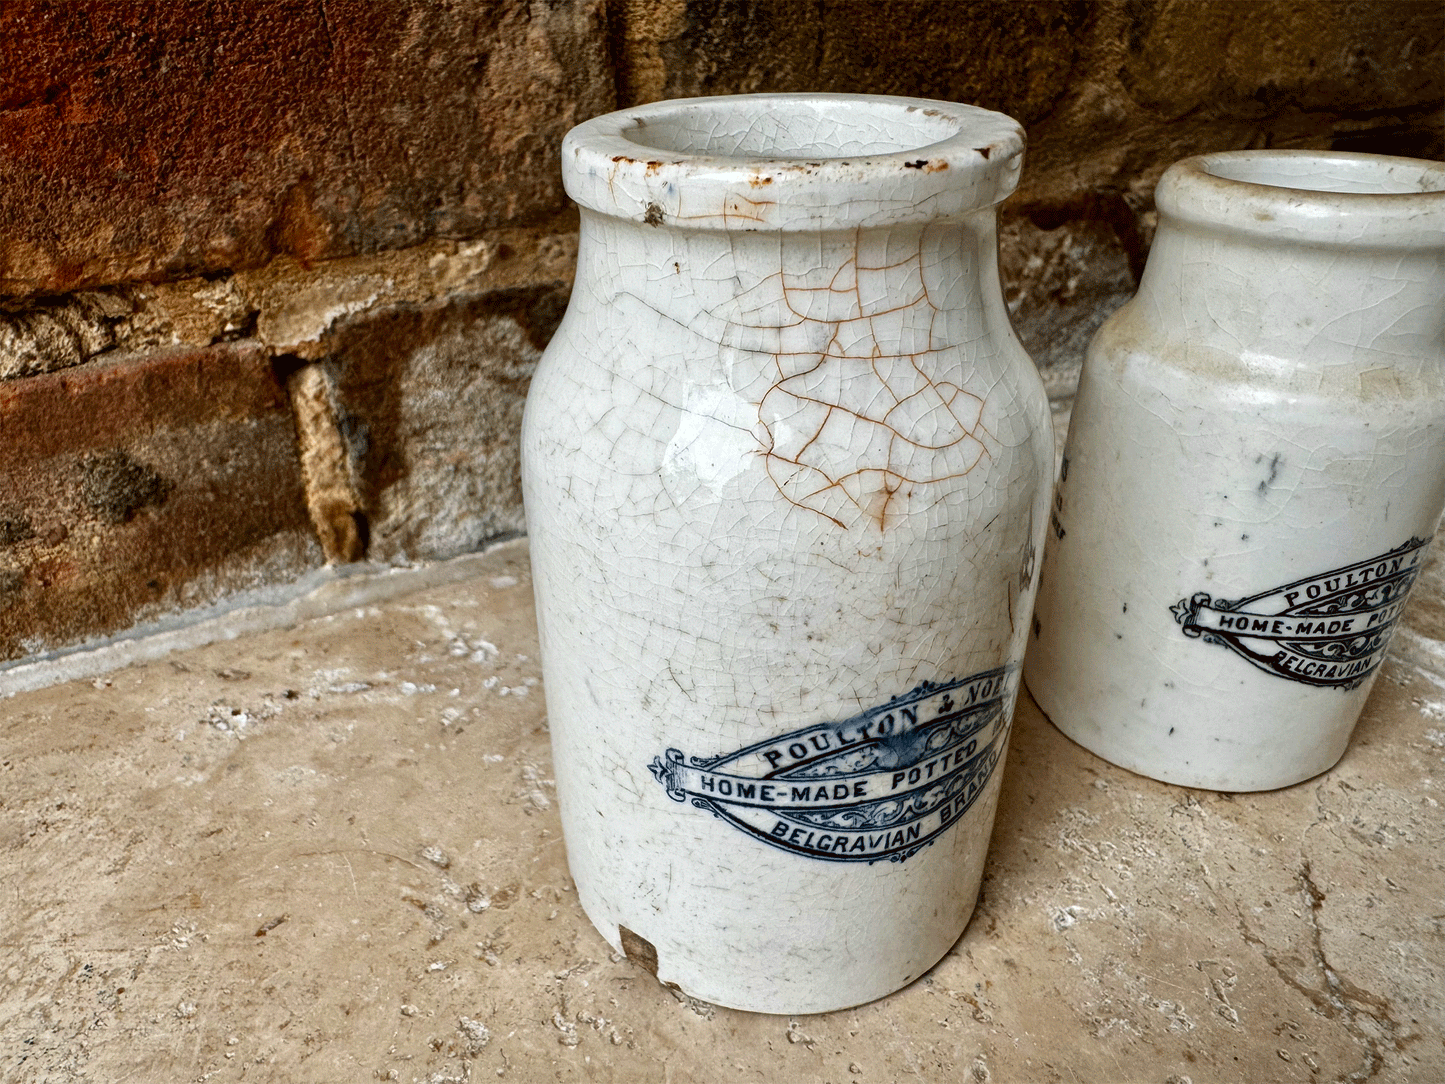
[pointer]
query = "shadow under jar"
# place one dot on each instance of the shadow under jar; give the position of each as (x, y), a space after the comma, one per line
(1255, 467)
(786, 469)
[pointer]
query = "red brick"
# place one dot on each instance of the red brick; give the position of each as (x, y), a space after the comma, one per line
(148, 140)
(137, 487)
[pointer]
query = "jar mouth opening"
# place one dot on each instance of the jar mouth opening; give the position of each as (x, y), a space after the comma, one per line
(1310, 197)
(792, 129)
(1372, 175)
(793, 162)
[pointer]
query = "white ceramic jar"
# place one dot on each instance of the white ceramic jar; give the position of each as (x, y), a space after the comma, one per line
(1255, 466)
(786, 470)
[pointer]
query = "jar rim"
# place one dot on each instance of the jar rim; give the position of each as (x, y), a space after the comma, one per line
(792, 161)
(1320, 197)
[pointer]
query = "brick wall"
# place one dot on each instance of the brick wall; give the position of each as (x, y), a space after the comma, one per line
(274, 274)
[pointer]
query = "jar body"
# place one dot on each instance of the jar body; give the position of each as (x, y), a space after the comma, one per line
(1255, 467)
(784, 492)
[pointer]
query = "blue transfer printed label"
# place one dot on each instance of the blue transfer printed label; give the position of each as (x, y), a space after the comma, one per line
(1332, 629)
(881, 785)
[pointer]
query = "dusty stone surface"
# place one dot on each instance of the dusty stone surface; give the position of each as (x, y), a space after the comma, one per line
(332, 853)
(430, 403)
(150, 142)
(141, 486)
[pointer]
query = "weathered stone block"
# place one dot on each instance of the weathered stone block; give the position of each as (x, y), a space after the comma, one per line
(288, 307)
(1017, 57)
(151, 141)
(1162, 81)
(136, 487)
(1061, 284)
(429, 400)
(1281, 56)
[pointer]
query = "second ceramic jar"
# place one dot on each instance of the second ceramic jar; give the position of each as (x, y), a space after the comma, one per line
(786, 474)
(1255, 468)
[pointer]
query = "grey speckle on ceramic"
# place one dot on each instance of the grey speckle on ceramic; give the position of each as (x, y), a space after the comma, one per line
(786, 470)
(1255, 468)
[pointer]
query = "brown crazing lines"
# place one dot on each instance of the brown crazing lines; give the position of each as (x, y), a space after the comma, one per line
(737, 210)
(902, 403)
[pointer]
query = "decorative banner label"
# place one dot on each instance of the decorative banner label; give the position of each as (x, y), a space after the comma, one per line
(881, 785)
(1330, 629)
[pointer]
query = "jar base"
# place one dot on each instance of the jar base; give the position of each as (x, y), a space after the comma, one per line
(1093, 739)
(826, 994)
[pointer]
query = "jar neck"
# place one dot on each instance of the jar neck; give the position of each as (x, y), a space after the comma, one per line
(925, 286)
(1305, 303)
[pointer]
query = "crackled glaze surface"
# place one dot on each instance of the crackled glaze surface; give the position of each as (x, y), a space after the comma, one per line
(1255, 469)
(786, 473)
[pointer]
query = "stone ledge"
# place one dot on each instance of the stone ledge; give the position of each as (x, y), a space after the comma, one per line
(332, 852)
